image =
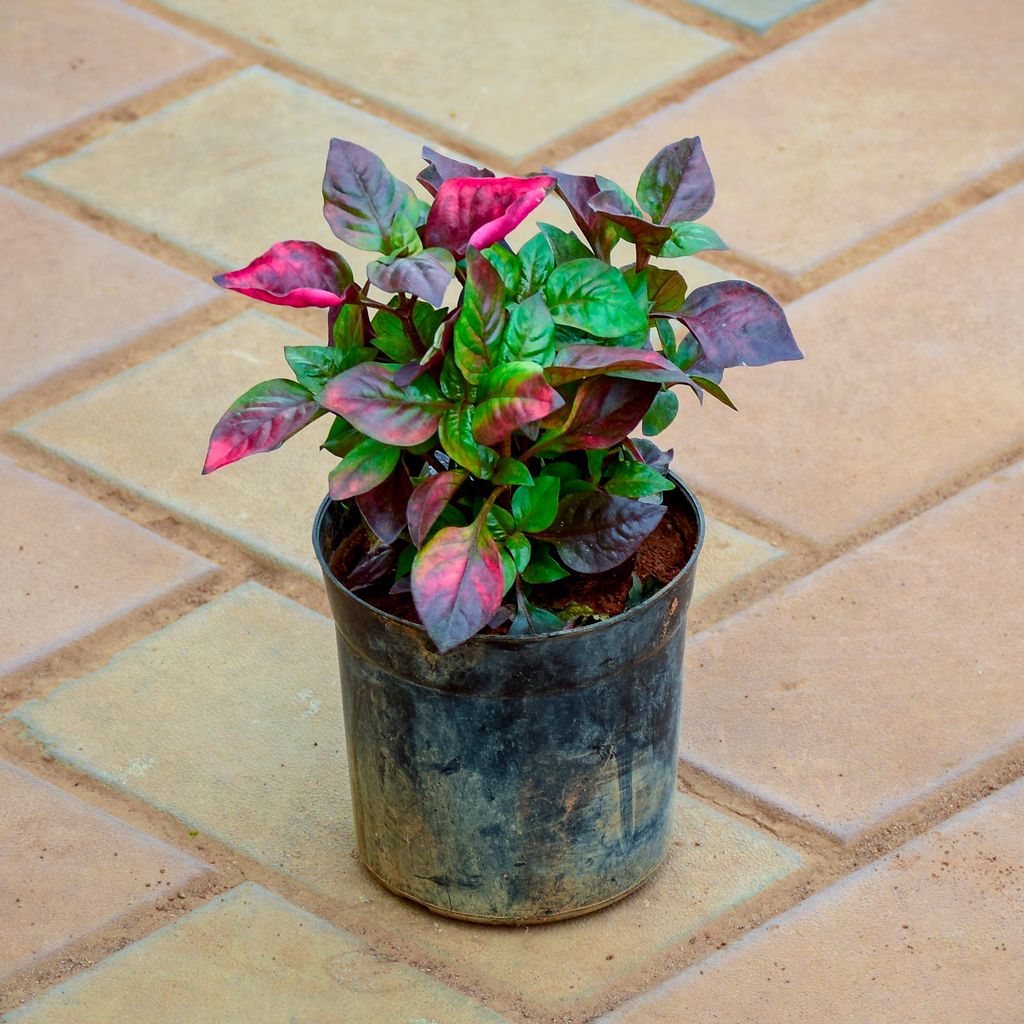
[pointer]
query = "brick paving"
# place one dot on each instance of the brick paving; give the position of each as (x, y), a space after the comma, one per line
(175, 830)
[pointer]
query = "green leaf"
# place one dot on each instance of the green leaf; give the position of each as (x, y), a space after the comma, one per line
(458, 583)
(347, 326)
(563, 470)
(508, 571)
(661, 413)
(543, 568)
(315, 365)
(533, 621)
(511, 396)
(536, 261)
(667, 337)
(688, 238)
(480, 324)
(593, 297)
(427, 320)
(518, 547)
(713, 389)
(534, 507)
(456, 432)
(341, 438)
(511, 471)
(500, 523)
(666, 290)
(506, 263)
(368, 464)
(392, 338)
(565, 245)
(453, 384)
(636, 480)
(530, 333)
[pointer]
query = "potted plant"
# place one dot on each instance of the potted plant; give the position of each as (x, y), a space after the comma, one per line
(508, 570)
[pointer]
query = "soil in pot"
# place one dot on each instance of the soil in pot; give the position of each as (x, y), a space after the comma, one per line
(659, 560)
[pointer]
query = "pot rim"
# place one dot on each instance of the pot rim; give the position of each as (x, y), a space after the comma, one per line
(503, 640)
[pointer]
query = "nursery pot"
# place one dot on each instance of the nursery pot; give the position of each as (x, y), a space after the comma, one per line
(514, 779)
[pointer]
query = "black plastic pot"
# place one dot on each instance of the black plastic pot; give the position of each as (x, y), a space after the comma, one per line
(513, 779)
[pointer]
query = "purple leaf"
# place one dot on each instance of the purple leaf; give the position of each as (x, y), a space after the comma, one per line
(576, 362)
(293, 274)
(603, 412)
(653, 455)
(481, 211)
(576, 191)
(594, 531)
(650, 237)
(440, 168)
(383, 507)
(426, 275)
(510, 396)
(373, 566)
(739, 324)
(458, 582)
(364, 203)
(429, 499)
(677, 184)
(259, 421)
(368, 464)
(368, 397)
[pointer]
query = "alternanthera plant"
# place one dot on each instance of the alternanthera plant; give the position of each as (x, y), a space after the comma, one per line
(483, 428)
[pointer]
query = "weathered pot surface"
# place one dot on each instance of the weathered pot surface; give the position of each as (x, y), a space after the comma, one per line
(512, 780)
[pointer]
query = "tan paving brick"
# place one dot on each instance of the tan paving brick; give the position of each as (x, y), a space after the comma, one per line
(877, 413)
(878, 678)
(232, 168)
(849, 130)
(76, 287)
(266, 502)
(243, 740)
(492, 80)
(61, 60)
(69, 869)
(70, 566)
(934, 932)
(715, 863)
(729, 555)
(251, 956)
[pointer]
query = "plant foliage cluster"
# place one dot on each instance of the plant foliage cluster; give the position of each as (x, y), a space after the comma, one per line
(486, 442)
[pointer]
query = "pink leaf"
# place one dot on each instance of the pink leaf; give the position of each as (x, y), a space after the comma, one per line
(260, 421)
(575, 362)
(458, 582)
(481, 211)
(429, 499)
(293, 274)
(368, 397)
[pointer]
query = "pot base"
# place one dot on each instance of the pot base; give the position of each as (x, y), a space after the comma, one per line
(565, 915)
